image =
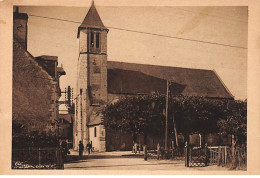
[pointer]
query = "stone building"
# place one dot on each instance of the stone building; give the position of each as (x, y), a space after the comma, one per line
(66, 128)
(100, 82)
(36, 88)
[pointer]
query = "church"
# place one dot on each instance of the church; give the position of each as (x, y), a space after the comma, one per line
(100, 82)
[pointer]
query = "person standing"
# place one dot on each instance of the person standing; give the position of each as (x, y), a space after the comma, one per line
(138, 148)
(88, 148)
(64, 149)
(91, 148)
(81, 148)
(135, 147)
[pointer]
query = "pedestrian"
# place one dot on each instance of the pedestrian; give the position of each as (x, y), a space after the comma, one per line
(88, 147)
(81, 148)
(140, 148)
(135, 147)
(158, 151)
(158, 147)
(91, 148)
(64, 149)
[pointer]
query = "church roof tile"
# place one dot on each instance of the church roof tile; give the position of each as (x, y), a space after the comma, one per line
(131, 78)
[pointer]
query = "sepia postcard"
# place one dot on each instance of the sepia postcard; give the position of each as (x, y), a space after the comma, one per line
(130, 87)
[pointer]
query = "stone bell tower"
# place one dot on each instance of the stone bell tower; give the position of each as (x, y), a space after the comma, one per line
(91, 72)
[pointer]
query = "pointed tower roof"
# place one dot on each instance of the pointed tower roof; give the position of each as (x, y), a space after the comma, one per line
(92, 19)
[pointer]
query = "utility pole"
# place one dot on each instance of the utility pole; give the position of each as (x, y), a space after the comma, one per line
(174, 122)
(175, 132)
(166, 118)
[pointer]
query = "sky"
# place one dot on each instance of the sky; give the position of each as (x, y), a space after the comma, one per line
(223, 25)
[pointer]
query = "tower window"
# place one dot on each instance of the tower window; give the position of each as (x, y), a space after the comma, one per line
(95, 132)
(97, 40)
(92, 39)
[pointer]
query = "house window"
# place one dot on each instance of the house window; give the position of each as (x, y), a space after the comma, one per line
(92, 39)
(95, 132)
(97, 40)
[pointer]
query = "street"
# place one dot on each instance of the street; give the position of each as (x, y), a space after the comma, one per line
(125, 160)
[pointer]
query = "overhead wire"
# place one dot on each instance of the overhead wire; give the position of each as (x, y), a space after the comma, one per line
(147, 33)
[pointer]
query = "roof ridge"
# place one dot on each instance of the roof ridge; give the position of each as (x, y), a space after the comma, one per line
(161, 66)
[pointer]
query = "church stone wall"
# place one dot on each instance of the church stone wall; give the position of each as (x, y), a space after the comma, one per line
(104, 42)
(83, 41)
(81, 106)
(91, 86)
(98, 78)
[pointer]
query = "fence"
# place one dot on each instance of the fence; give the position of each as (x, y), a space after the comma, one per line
(160, 153)
(199, 157)
(222, 156)
(218, 155)
(37, 158)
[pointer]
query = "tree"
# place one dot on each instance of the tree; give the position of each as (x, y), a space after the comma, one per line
(136, 115)
(236, 122)
(144, 114)
(197, 114)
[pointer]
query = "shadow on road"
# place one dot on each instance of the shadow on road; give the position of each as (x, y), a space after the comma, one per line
(120, 165)
(75, 159)
(85, 158)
